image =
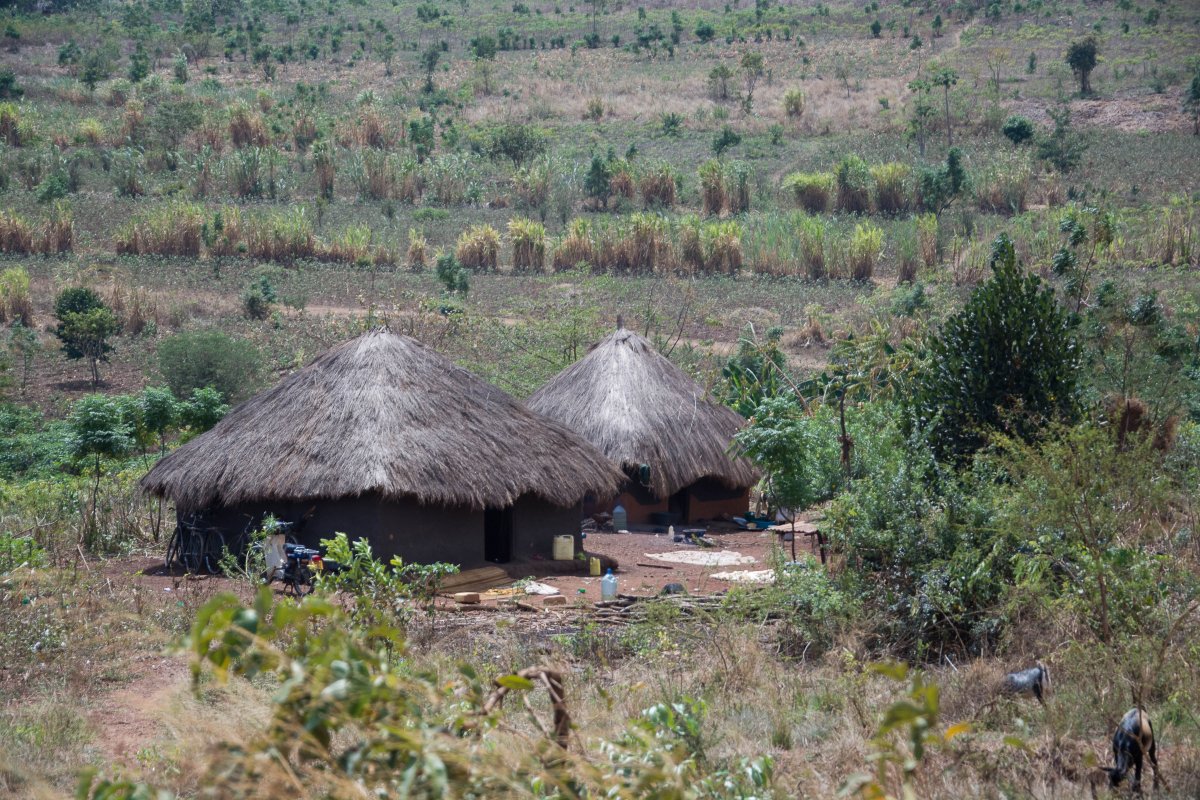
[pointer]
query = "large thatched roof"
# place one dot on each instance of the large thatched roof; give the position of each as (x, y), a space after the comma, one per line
(637, 407)
(383, 414)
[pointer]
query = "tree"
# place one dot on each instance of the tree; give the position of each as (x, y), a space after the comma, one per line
(940, 186)
(1081, 58)
(718, 81)
(1017, 129)
(209, 358)
(85, 324)
(429, 62)
(98, 430)
(96, 67)
(876, 29)
(160, 412)
(945, 78)
(1064, 147)
(139, 64)
(1007, 362)
(598, 179)
(922, 112)
(752, 70)
(200, 412)
(1191, 102)
(705, 32)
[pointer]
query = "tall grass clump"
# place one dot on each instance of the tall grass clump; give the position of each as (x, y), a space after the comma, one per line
(246, 127)
(252, 172)
(866, 245)
(737, 182)
(810, 190)
(449, 179)
(658, 188)
(478, 248)
(284, 236)
(324, 167)
(892, 194)
(723, 247)
(645, 243)
(352, 247)
(528, 243)
(1003, 186)
(853, 185)
(908, 252)
(622, 185)
(576, 246)
(16, 304)
(771, 246)
(418, 251)
(927, 238)
(794, 103)
(690, 245)
(57, 232)
(811, 233)
(373, 174)
(14, 131)
(531, 186)
(712, 187)
(16, 234)
(174, 229)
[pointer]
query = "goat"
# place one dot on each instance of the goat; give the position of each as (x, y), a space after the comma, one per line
(1035, 681)
(1133, 740)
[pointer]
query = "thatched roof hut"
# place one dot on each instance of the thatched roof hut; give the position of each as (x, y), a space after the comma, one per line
(639, 409)
(384, 418)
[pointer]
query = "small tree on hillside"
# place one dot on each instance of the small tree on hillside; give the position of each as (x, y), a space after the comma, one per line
(85, 325)
(922, 113)
(1081, 57)
(1007, 362)
(752, 70)
(429, 62)
(98, 430)
(945, 78)
(1191, 102)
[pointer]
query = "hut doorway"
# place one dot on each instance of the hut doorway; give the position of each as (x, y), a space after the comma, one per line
(680, 504)
(498, 535)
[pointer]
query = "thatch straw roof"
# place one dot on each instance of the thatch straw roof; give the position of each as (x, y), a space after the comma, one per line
(637, 407)
(383, 414)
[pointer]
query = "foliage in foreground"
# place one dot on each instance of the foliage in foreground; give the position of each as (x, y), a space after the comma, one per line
(350, 713)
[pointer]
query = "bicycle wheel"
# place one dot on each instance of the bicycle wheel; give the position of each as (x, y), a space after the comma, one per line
(172, 551)
(191, 550)
(214, 550)
(301, 582)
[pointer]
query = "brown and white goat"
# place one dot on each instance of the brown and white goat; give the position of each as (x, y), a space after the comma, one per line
(1132, 742)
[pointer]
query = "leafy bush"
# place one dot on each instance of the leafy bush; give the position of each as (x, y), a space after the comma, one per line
(794, 102)
(1008, 362)
(725, 139)
(1018, 129)
(208, 358)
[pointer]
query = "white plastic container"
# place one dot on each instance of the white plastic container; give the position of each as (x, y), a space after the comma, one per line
(620, 519)
(564, 548)
(608, 586)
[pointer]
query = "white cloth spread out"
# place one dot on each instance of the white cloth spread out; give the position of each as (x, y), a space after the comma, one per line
(705, 558)
(746, 576)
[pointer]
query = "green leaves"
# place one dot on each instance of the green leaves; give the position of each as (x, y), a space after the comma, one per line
(1007, 362)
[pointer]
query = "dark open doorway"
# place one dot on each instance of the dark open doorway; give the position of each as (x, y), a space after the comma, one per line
(680, 504)
(498, 534)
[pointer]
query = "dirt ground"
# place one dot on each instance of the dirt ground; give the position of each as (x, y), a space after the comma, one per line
(641, 574)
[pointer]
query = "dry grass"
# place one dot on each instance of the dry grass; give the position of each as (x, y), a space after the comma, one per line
(478, 248)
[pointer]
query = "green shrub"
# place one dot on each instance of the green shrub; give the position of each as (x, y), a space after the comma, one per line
(1007, 362)
(208, 358)
(1018, 129)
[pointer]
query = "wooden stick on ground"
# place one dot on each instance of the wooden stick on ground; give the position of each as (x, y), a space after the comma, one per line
(552, 680)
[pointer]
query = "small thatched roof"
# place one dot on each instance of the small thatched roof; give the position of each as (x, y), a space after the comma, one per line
(637, 407)
(383, 414)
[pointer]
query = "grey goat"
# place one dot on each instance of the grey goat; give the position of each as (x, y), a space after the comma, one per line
(1035, 681)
